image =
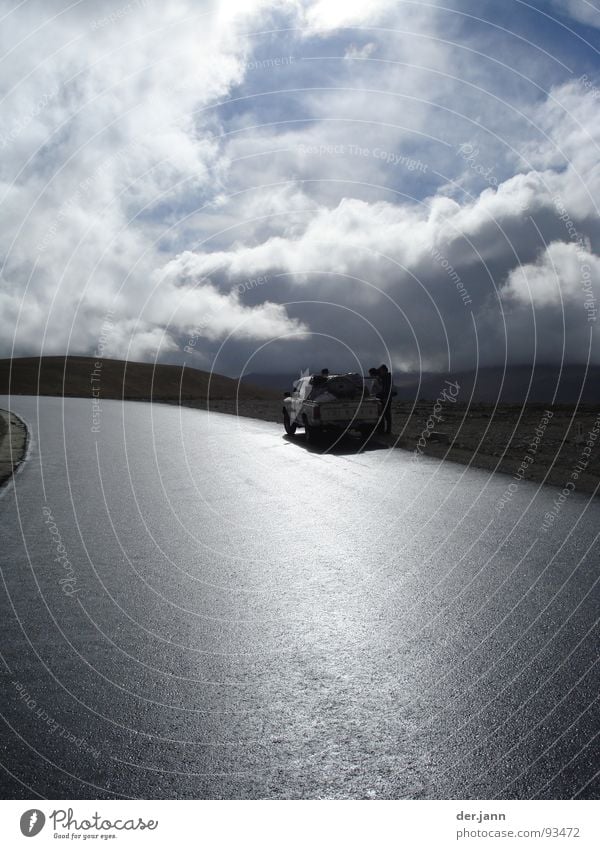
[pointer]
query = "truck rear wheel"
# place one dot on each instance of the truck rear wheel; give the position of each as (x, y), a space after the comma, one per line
(290, 428)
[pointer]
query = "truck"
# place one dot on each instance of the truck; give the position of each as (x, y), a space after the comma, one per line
(333, 402)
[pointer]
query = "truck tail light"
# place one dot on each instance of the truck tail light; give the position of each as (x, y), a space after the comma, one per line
(317, 412)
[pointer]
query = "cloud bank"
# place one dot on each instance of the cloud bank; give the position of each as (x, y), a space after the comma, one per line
(289, 182)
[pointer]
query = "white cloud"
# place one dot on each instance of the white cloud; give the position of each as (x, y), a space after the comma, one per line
(355, 235)
(564, 273)
(354, 51)
(580, 10)
(327, 15)
(570, 121)
(103, 136)
(184, 298)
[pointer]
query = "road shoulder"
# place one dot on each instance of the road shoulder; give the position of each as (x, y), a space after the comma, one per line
(526, 443)
(13, 444)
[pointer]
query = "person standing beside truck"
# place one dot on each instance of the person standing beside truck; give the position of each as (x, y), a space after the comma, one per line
(373, 384)
(385, 394)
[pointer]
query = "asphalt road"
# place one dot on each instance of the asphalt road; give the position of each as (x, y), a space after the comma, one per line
(195, 606)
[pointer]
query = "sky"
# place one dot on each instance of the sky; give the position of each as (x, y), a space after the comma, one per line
(255, 186)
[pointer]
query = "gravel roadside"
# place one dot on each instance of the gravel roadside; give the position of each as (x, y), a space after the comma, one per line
(13, 444)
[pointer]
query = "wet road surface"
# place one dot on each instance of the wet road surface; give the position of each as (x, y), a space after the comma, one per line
(195, 606)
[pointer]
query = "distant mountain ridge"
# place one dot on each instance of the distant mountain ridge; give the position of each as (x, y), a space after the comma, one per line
(543, 384)
(80, 377)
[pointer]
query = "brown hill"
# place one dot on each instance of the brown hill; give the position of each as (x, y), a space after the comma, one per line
(81, 377)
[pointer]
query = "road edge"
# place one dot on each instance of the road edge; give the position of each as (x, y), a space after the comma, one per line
(540, 474)
(13, 445)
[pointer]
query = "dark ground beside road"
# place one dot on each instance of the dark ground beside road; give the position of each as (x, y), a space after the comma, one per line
(13, 444)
